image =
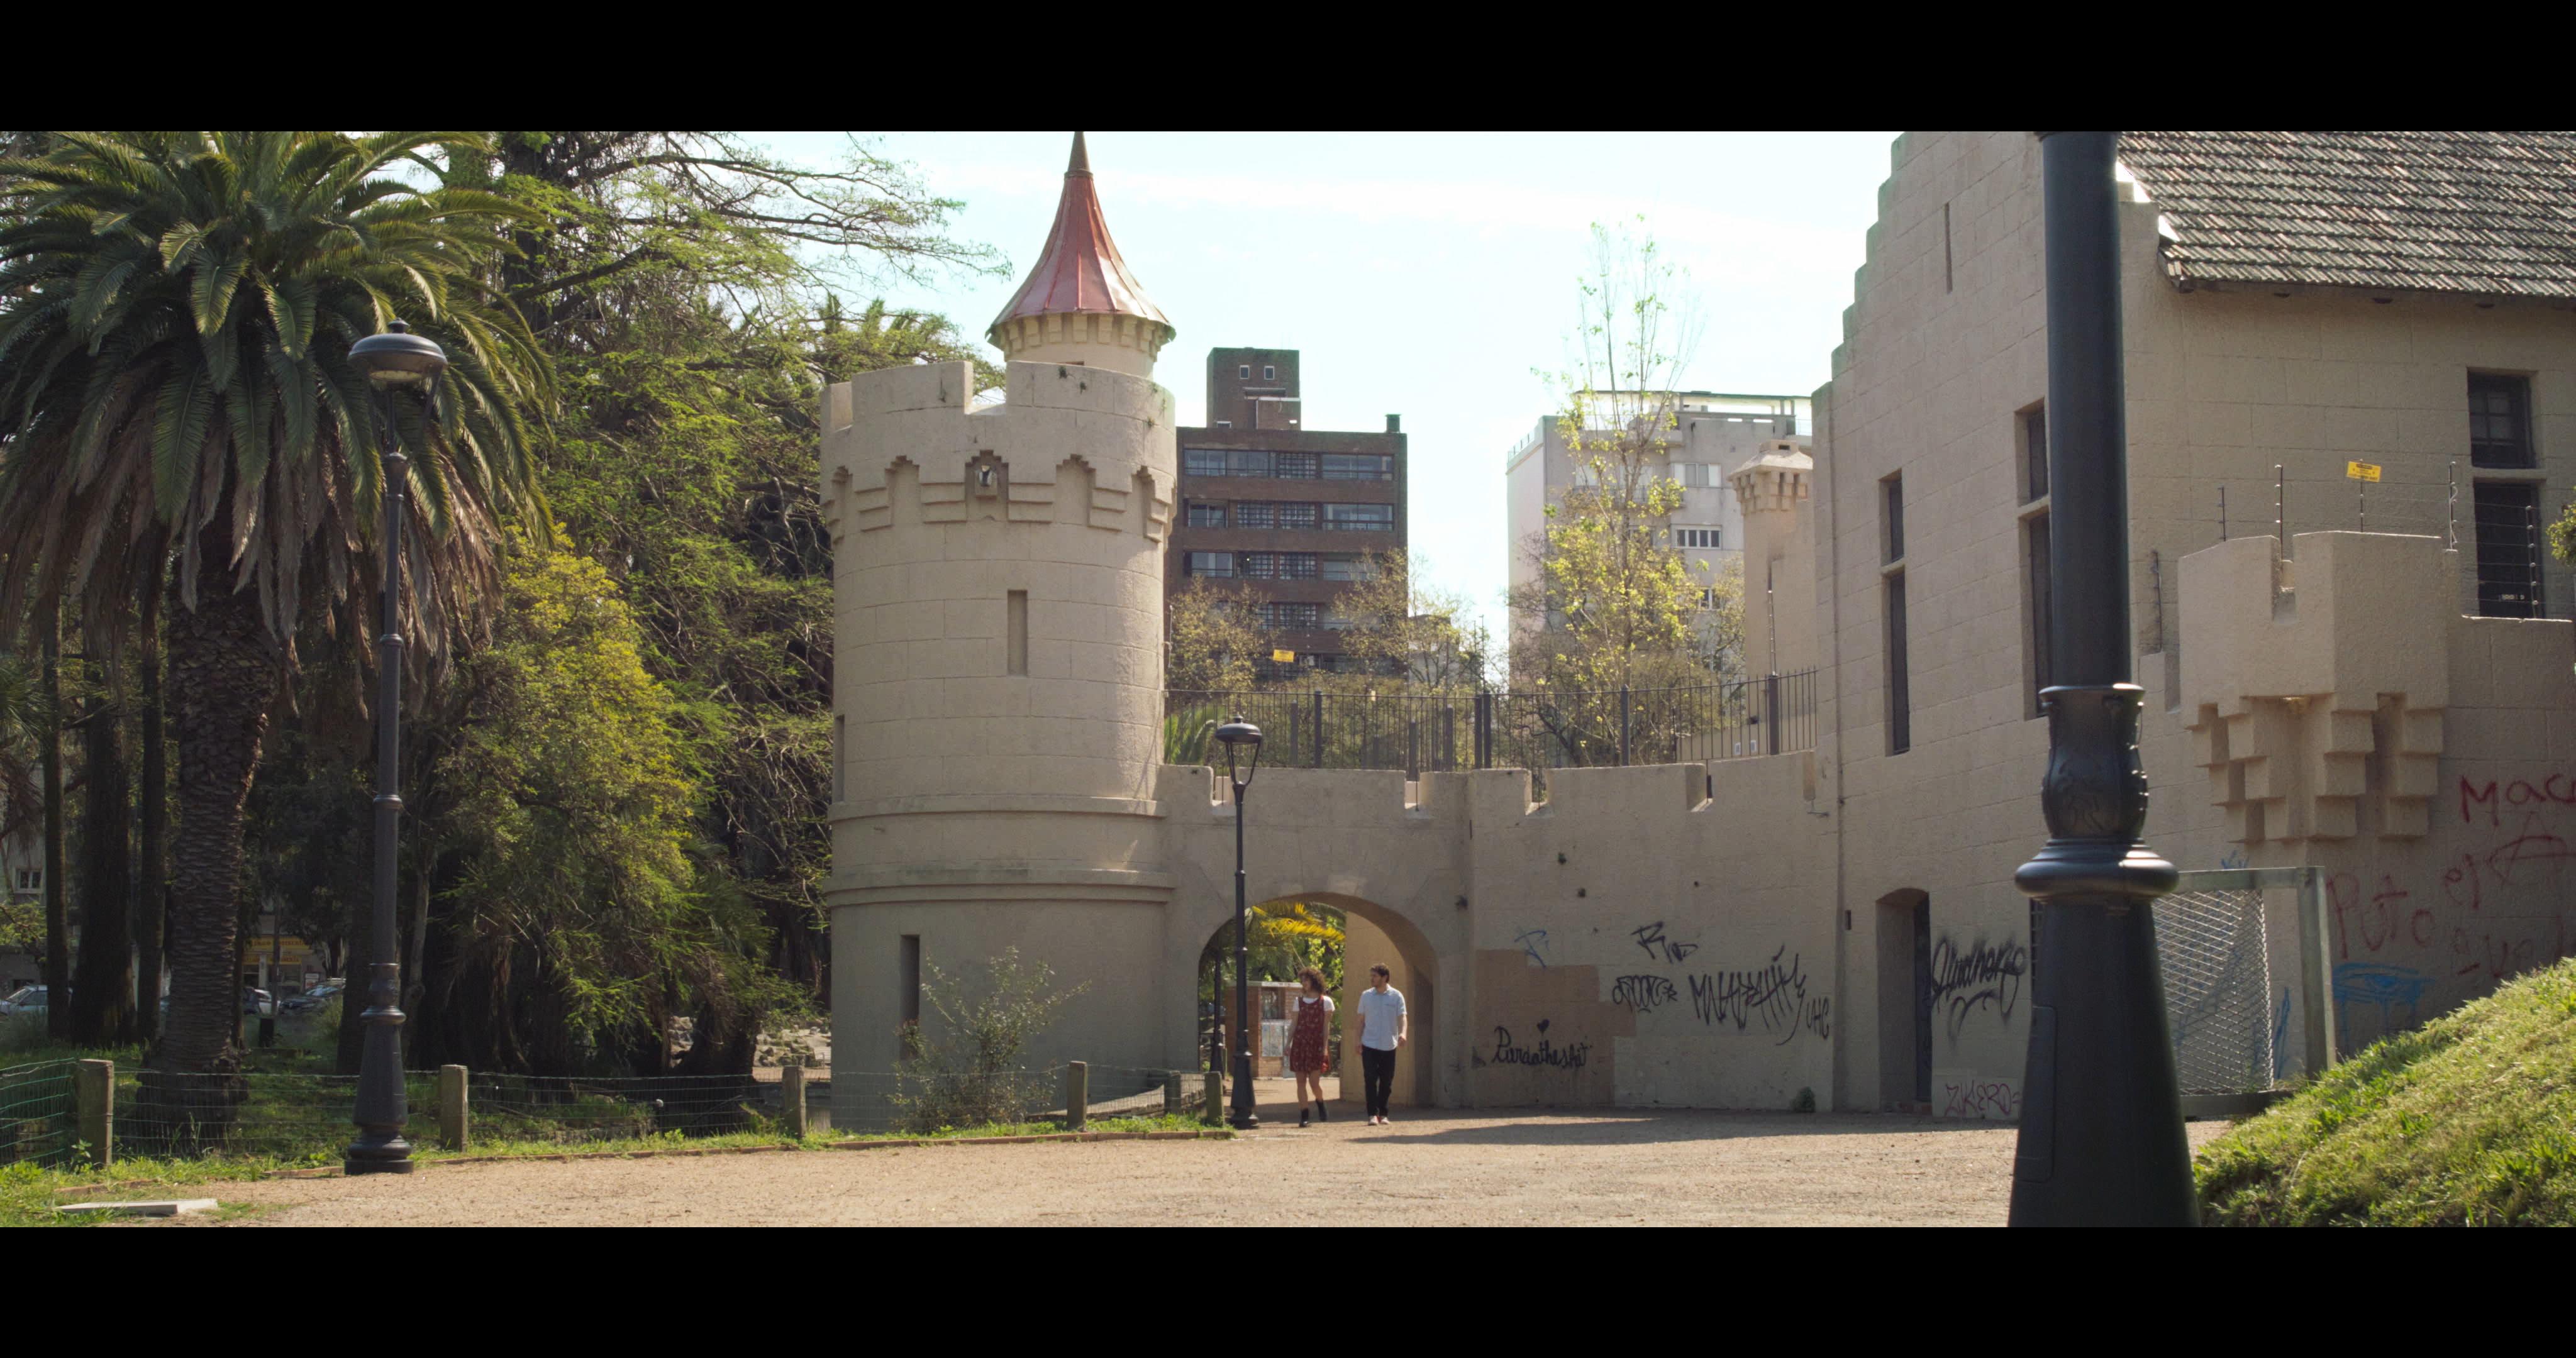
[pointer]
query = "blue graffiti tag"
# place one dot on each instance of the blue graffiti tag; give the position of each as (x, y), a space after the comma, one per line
(2281, 1036)
(1531, 941)
(2234, 859)
(2382, 984)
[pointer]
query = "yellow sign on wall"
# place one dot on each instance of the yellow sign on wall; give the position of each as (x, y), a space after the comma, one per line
(1283, 657)
(2361, 471)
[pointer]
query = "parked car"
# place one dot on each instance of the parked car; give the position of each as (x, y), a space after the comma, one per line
(313, 999)
(26, 999)
(258, 1003)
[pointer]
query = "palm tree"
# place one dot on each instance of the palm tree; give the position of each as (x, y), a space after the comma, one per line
(176, 310)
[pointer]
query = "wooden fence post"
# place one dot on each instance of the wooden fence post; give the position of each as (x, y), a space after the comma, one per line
(94, 1092)
(451, 1107)
(1077, 1095)
(791, 1099)
(1214, 1108)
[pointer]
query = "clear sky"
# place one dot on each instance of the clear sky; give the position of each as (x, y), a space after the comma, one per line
(1432, 276)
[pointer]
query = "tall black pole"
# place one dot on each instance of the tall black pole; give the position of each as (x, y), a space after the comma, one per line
(381, 1111)
(1243, 1115)
(2101, 1124)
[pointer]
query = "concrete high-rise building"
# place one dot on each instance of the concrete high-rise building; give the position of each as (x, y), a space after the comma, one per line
(1713, 433)
(1290, 515)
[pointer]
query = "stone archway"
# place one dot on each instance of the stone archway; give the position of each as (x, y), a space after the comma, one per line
(1373, 933)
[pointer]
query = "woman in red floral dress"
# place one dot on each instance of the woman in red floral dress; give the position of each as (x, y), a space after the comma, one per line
(1307, 1036)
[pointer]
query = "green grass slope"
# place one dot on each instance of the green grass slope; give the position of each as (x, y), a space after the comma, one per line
(2470, 1120)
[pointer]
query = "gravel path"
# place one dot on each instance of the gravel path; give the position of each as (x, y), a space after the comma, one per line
(1478, 1168)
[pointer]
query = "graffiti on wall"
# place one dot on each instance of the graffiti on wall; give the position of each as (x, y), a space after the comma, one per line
(2396, 992)
(1533, 943)
(1981, 1099)
(1651, 938)
(1572, 1056)
(1979, 978)
(1644, 992)
(1773, 995)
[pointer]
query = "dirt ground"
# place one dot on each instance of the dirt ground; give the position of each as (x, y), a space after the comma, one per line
(1479, 1168)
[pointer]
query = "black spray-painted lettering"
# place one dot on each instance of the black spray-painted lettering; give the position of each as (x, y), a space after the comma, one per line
(1980, 976)
(1651, 938)
(1643, 992)
(1775, 996)
(1571, 1056)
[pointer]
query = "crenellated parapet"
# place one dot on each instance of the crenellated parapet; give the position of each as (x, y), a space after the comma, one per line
(1068, 444)
(2301, 675)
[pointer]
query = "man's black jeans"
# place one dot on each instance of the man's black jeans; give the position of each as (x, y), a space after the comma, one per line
(1377, 1077)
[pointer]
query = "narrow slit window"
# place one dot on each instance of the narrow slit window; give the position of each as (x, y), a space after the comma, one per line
(1900, 699)
(1019, 625)
(840, 753)
(1893, 491)
(908, 983)
(2037, 601)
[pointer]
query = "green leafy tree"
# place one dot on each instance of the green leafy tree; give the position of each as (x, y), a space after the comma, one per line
(1612, 606)
(175, 386)
(578, 907)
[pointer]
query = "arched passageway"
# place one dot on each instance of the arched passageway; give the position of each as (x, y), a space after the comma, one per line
(1284, 938)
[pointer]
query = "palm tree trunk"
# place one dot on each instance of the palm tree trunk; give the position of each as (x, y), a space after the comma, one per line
(58, 929)
(224, 669)
(102, 1006)
(152, 881)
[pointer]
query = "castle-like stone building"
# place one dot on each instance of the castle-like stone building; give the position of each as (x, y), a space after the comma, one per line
(2389, 707)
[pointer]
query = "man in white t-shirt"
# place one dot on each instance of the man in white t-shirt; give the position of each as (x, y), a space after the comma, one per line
(1383, 1028)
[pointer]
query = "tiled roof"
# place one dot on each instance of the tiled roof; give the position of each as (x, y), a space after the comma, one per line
(2482, 213)
(1080, 270)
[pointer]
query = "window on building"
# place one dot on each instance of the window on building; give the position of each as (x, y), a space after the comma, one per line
(2036, 601)
(1358, 467)
(1293, 617)
(1701, 538)
(1016, 618)
(1900, 700)
(1892, 514)
(1257, 565)
(1360, 518)
(1255, 514)
(2508, 549)
(1213, 565)
(1340, 622)
(31, 879)
(2500, 421)
(1708, 596)
(1247, 462)
(1269, 373)
(1207, 516)
(1293, 466)
(2034, 453)
(1349, 566)
(1244, 372)
(908, 977)
(1694, 475)
(1297, 515)
(1299, 566)
(1203, 462)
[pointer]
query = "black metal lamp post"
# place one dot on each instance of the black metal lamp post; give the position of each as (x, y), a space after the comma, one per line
(395, 363)
(1243, 735)
(2101, 1125)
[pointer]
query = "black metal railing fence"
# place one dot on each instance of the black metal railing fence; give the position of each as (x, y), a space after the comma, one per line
(1538, 729)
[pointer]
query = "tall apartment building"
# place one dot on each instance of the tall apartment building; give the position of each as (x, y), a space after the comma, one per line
(1714, 433)
(1292, 515)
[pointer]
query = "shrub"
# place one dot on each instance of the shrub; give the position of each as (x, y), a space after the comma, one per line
(966, 1072)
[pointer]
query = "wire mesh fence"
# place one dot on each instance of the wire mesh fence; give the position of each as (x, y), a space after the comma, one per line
(1533, 729)
(39, 1114)
(2210, 946)
(886, 1101)
(570, 1109)
(181, 1114)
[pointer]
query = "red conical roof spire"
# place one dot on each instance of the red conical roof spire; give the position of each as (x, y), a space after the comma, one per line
(1079, 272)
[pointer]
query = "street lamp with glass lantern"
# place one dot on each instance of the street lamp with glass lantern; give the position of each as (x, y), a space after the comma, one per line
(1242, 735)
(397, 364)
